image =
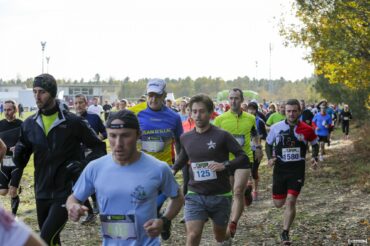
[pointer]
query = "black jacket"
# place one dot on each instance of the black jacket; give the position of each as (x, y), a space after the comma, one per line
(52, 153)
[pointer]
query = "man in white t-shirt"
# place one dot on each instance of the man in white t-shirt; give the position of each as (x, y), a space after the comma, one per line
(95, 108)
(16, 233)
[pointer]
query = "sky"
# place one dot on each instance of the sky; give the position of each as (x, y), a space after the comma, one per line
(147, 39)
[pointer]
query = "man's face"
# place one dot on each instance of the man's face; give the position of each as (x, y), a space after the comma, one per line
(292, 113)
(95, 101)
(155, 101)
(200, 114)
(183, 106)
(303, 105)
(122, 105)
(80, 105)
(9, 111)
(235, 100)
(43, 98)
(282, 109)
(169, 103)
(122, 142)
(252, 111)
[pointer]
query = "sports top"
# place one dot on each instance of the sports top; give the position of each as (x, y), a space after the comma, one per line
(240, 126)
(158, 132)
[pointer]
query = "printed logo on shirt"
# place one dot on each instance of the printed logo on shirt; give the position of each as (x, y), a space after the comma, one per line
(211, 145)
(139, 195)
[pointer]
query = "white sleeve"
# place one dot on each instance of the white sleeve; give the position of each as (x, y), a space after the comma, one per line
(16, 235)
(271, 136)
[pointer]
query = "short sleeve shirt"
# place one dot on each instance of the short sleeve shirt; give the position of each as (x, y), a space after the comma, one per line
(158, 132)
(127, 190)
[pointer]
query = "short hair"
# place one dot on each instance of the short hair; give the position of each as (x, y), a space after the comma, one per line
(12, 102)
(203, 98)
(238, 90)
(81, 96)
(124, 100)
(294, 102)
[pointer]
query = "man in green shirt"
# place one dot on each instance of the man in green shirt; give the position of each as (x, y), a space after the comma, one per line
(242, 126)
(277, 116)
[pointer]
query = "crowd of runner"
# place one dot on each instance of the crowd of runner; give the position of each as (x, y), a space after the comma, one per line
(217, 146)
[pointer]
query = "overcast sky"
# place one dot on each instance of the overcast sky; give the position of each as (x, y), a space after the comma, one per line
(146, 38)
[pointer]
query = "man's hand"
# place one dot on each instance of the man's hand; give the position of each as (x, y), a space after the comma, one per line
(216, 166)
(259, 155)
(75, 211)
(271, 162)
(153, 227)
(12, 191)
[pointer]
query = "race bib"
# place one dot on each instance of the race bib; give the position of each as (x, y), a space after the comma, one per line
(291, 154)
(202, 172)
(118, 226)
(345, 118)
(8, 161)
(153, 144)
(240, 139)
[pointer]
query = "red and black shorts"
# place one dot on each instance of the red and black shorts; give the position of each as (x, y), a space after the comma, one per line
(287, 182)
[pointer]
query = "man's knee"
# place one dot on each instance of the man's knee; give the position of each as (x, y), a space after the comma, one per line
(238, 190)
(279, 202)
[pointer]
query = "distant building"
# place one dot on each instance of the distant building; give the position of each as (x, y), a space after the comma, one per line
(103, 91)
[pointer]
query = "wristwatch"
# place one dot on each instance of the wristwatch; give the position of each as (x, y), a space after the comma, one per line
(226, 164)
(165, 220)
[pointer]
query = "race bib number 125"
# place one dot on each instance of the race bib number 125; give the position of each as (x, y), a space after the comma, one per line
(202, 172)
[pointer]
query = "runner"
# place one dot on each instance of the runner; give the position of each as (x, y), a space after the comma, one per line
(107, 108)
(96, 108)
(9, 133)
(54, 136)
(287, 140)
(271, 109)
(322, 123)
(182, 112)
(242, 126)
(96, 123)
(128, 213)
(161, 129)
(207, 148)
(16, 233)
(277, 116)
(345, 116)
(306, 115)
(262, 134)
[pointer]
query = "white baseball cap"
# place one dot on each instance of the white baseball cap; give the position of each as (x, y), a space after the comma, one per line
(156, 85)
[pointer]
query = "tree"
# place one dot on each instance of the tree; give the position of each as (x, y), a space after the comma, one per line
(337, 34)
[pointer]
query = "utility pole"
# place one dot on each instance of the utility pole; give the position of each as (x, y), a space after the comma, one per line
(47, 63)
(43, 44)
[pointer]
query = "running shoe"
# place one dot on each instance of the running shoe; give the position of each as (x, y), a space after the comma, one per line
(227, 242)
(232, 228)
(255, 195)
(321, 158)
(285, 240)
(248, 196)
(88, 219)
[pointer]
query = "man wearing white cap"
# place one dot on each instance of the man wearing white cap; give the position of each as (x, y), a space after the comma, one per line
(161, 129)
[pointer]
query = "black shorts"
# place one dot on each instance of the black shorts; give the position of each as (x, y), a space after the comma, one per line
(324, 139)
(255, 167)
(287, 182)
(5, 176)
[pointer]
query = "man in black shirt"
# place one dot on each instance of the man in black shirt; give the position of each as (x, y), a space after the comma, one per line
(107, 108)
(306, 115)
(9, 133)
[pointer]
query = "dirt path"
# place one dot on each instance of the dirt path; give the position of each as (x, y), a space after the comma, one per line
(330, 210)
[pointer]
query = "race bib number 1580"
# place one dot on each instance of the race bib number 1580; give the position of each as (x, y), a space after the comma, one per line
(291, 154)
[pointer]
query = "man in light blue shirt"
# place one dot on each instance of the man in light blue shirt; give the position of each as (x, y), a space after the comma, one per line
(126, 183)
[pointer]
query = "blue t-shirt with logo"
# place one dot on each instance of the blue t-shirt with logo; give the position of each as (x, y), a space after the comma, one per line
(323, 123)
(127, 191)
(158, 131)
